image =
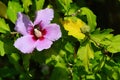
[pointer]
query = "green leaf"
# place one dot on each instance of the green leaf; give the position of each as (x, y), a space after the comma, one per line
(8, 71)
(59, 74)
(65, 4)
(75, 76)
(102, 37)
(13, 9)
(111, 71)
(14, 59)
(73, 9)
(2, 51)
(26, 61)
(3, 10)
(69, 47)
(85, 53)
(1, 78)
(26, 4)
(39, 4)
(101, 64)
(90, 77)
(114, 47)
(62, 52)
(15, 56)
(91, 18)
(8, 45)
(4, 28)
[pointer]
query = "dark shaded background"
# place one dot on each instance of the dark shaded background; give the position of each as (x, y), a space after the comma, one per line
(107, 12)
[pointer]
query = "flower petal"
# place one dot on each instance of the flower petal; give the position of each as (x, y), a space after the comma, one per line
(23, 24)
(43, 44)
(44, 16)
(25, 44)
(53, 32)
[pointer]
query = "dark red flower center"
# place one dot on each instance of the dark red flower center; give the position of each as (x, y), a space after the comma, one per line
(38, 32)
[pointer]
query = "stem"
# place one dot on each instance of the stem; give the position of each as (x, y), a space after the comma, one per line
(74, 14)
(98, 44)
(13, 33)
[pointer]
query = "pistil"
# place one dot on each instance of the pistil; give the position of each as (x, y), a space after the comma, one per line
(37, 33)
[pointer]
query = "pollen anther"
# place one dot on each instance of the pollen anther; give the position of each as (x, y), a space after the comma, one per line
(37, 33)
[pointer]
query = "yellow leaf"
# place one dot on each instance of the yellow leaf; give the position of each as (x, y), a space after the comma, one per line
(73, 27)
(3, 9)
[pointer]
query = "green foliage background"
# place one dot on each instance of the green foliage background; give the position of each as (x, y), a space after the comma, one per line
(97, 57)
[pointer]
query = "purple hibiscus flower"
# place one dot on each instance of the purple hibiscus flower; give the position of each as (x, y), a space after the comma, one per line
(40, 34)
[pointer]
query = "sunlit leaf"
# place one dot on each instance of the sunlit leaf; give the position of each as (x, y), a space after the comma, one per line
(3, 10)
(2, 51)
(13, 9)
(4, 28)
(15, 56)
(115, 75)
(90, 77)
(62, 52)
(85, 53)
(90, 51)
(72, 10)
(114, 47)
(91, 17)
(97, 76)
(26, 4)
(39, 4)
(102, 37)
(65, 4)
